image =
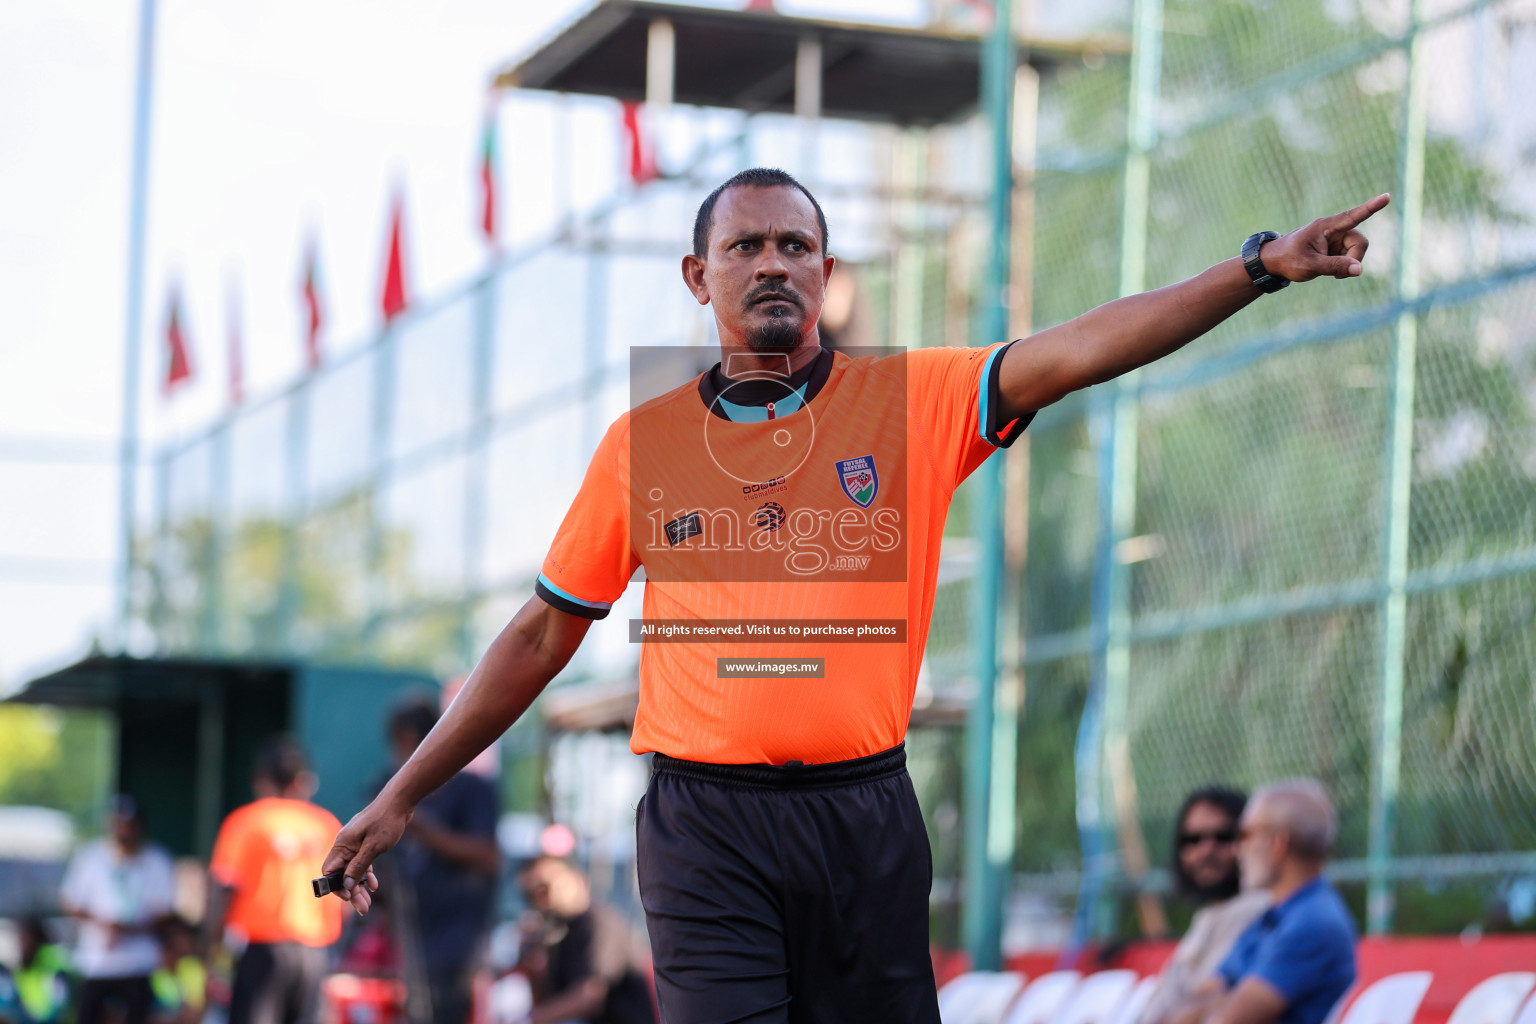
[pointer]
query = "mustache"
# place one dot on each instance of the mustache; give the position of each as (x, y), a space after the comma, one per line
(758, 294)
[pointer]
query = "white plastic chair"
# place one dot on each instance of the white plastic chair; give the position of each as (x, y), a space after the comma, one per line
(1042, 998)
(1130, 1010)
(1391, 1000)
(1494, 1000)
(1097, 999)
(989, 1008)
(1528, 1015)
(978, 997)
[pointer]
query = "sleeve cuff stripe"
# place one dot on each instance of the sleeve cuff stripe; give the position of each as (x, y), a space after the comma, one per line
(569, 603)
(1002, 435)
(984, 392)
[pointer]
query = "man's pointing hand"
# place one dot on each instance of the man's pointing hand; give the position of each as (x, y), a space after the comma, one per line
(1327, 247)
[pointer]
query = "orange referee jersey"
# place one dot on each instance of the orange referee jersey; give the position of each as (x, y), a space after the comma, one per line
(828, 504)
(267, 852)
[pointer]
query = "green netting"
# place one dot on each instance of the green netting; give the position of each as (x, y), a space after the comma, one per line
(1470, 699)
(1474, 487)
(1254, 482)
(1257, 562)
(1290, 696)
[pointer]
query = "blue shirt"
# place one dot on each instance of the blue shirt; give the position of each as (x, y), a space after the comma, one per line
(1304, 948)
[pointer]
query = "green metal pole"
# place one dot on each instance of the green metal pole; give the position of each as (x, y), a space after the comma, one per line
(478, 462)
(1393, 610)
(295, 457)
(211, 610)
(989, 842)
(1141, 131)
(1111, 602)
(380, 441)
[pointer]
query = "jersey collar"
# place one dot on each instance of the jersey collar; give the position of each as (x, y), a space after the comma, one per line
(748, 399)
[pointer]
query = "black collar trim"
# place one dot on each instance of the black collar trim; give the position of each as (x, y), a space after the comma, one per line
(760, 392)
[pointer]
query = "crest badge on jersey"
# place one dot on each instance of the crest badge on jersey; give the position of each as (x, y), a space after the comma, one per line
(859, 479)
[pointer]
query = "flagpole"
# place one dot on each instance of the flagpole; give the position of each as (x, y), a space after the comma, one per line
(137, 202)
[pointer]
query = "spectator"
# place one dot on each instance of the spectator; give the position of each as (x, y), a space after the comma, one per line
(1298, 958)
(447, 863)
(588, 964)
(180, 983)
(42, 978)
(120, 887)
(263, 859)
(1205, 872)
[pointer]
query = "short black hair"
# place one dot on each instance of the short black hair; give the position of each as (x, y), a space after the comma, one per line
(414, 716)
(281, 761)
(1231, 802)
(752, 177)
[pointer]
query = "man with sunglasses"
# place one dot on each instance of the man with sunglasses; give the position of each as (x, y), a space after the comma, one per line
(1297, 959)
(1205, 872)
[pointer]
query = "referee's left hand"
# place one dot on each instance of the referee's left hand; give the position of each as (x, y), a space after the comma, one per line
(1327, 247)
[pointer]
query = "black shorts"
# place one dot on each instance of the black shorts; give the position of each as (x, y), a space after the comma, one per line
(787, 895)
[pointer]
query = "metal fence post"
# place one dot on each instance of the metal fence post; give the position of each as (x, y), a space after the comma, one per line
(295, 455)
(989, 842)
(478, 462)
(1104, 720)
(211, 637)
(383, 421)
(1393, 609)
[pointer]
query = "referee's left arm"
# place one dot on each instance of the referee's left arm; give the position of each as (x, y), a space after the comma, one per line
(1122, 335)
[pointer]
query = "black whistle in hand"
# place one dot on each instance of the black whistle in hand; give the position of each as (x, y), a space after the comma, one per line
(327, 884)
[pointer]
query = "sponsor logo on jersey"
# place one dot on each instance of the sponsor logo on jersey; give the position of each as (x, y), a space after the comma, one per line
(769, 516)
(766, 487)
(859, 479)
(683, 527)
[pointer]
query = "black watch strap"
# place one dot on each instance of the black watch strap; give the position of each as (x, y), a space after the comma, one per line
(1266, 281)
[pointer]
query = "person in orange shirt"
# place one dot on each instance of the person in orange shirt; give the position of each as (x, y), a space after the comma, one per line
(790, 501)
(263, 859)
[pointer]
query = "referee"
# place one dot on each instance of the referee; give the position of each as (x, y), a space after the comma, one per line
(782, 859)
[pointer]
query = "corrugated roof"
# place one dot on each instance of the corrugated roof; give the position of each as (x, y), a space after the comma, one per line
(745, 60)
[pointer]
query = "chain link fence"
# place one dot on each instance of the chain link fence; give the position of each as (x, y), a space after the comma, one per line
(1249, 596)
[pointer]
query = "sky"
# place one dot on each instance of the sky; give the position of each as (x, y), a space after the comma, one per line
(273, 124)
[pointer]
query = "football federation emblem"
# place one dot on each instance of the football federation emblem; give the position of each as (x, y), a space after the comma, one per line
(859, 479)
(769, 516)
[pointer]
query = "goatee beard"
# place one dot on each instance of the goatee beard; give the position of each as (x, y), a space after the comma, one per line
(777, 335)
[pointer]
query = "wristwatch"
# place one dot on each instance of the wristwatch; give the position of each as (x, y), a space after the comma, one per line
(1266, 281)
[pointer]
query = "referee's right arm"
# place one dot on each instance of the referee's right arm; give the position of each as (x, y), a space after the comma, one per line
(516, 667)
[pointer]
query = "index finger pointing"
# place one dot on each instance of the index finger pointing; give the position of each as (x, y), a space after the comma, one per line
(1350, 218)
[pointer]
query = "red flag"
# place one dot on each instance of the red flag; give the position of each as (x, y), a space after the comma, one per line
(394, 301)
(488, 176)
(642, 161)
(766, 6)
(178, 368)
(314, 318)
(236, 360)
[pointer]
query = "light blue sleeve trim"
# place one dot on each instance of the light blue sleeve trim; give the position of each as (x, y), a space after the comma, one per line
(982, 393)
(599, 605)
